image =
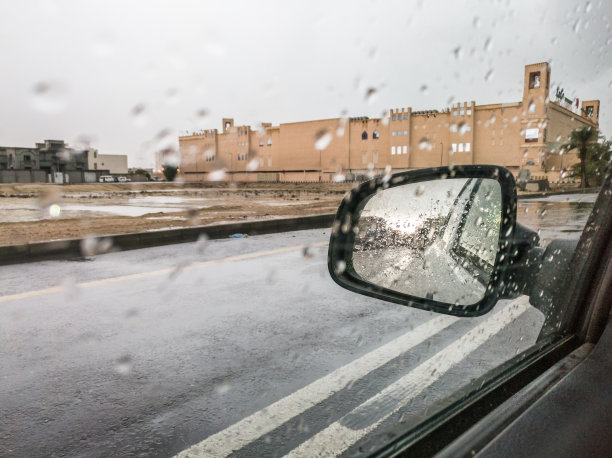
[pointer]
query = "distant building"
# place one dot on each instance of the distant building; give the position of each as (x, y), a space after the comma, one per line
(52, 161)
(519, 135)
(115, 163)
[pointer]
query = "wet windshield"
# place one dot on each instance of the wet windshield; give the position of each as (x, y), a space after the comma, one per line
(169, 176)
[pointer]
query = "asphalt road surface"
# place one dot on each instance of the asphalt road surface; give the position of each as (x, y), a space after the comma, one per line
(241, 347)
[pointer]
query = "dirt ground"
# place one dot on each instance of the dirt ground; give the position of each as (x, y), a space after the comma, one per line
(28, 218)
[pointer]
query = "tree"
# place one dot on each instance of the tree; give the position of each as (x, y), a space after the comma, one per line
(170, 171)
(598, 162)
(582, 139)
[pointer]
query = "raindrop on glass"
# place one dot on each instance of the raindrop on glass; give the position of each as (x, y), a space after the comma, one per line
(488, 75)
(370, 94)
(340, 267)
(48, 97)
(424, 89)
(322, 139)
(139, 115)
(488, 44)
(420, 189)
(217, 175)
(123, 365)
(424, 144)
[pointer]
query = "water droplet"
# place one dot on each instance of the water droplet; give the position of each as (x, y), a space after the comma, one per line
(587, 7)
(49, 97)
(90, 246)
(322, 139)
(370, 94)
(223, 388)
(576, 26)
(339, 177)
(458, 52)
(532, 107)
(488, 44)
(139, 115)
(424, 144)
(55, 211)
(217, 175)
(201, 243)
(252, 165)
(476, 22)
(554, 41)
(202, 113)
(463, 127)
(172, 96)
(478, 221)
(340, 267)
(420, 189)
(424, 89)
(123, 365)
(488, 75)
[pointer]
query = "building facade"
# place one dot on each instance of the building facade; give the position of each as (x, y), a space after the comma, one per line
(114, 163)
(520, 135)
(51, 161)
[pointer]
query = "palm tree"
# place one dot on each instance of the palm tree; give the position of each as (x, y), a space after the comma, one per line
(581, 139)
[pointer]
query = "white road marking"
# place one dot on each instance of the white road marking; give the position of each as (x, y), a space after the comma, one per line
(154, 273)
(337, 438)
(256, 425)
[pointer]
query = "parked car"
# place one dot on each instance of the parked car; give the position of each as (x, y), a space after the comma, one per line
(106, 179)
(123, 179)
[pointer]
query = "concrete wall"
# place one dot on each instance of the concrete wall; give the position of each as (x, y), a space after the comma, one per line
(23, 176)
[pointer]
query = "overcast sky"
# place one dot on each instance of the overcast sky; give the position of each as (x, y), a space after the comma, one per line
(80, 70)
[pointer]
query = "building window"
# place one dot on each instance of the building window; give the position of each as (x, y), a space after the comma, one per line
(393, 133)
(261, 142)
(453, 127)
(375, 134)
(462, 112)
(95, 154)
(589, 110)
(467, 147)
(405, 149)
(468, 112)
(534, 80)
(454, 112)
(405, 132)
(532, 107)
(405, 116)
(454, 146)
(392, 118)
(393, 150)
(269, 142)
(364, 135)
(461, 147)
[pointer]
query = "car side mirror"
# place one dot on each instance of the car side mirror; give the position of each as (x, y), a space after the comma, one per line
(436, 239)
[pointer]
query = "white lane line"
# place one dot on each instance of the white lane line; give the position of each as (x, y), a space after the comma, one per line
(154, 273)
(337, 438)
(262, 422)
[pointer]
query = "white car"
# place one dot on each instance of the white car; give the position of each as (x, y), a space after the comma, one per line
(123, 179)
(106, 179)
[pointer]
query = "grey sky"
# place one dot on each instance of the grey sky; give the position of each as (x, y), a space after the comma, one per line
(75, 70)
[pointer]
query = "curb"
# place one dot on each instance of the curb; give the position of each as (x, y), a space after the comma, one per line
(73, 248)
(558, 193)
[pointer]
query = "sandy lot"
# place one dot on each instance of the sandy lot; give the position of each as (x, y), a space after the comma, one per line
(41, 212)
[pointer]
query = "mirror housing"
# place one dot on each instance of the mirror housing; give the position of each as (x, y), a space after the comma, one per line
(346, 229)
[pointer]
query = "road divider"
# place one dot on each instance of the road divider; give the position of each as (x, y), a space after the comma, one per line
(74, 248)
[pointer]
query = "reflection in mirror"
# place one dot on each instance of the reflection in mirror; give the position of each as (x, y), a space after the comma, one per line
(433, 240)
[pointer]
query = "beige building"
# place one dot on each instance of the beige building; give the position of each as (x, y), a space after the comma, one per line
(114, 163)
(520, 135)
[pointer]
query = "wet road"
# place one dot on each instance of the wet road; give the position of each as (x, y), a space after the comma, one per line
(240, 346)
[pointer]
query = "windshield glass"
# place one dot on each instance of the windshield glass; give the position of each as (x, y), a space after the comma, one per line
(169, 176)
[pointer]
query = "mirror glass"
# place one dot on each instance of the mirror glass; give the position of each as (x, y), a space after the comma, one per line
(434, 240)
